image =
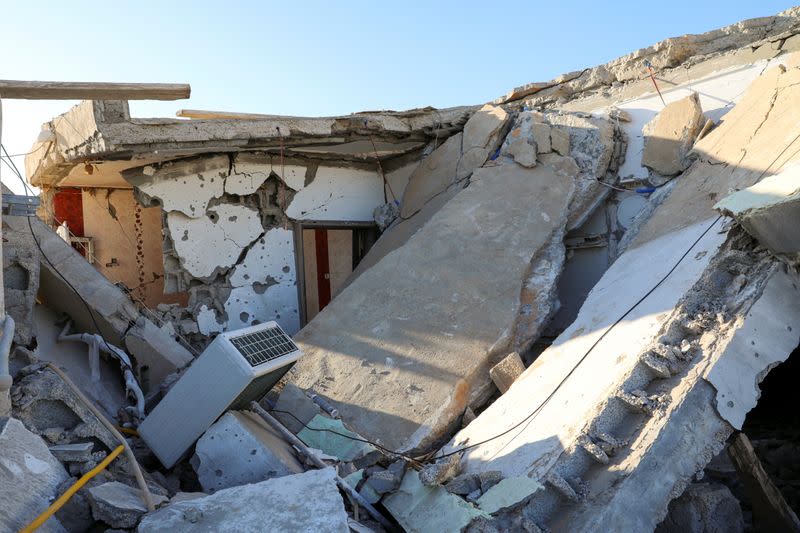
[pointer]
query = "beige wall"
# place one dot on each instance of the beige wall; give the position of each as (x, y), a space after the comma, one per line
(118, 239)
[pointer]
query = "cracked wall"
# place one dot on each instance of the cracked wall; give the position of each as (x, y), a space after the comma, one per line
(229, 229)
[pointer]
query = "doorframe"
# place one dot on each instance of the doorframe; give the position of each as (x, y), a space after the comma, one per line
(298, 226)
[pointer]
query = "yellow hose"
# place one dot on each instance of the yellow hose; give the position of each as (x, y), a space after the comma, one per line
(64, 498)
(127, 431)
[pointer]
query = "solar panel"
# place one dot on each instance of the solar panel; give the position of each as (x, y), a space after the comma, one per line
(262, 346)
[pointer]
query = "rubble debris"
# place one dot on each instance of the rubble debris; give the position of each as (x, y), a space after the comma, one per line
(118, 505)
(238, 449)
(505, 372)
(29, 477)
(301, 502)
(770, 510)
(429, 509)
(703, 508)
(669, 137)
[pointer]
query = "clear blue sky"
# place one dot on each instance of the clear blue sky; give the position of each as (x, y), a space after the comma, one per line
(322, 58)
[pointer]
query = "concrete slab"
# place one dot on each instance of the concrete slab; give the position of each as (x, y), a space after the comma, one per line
(119, 505)
(533, 448)
(669, 137)
(239, 449)
(507, 493)
(302, 502)
(407, 346)
(318, 434)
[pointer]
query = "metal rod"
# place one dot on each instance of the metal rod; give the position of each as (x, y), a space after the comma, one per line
(303, 449)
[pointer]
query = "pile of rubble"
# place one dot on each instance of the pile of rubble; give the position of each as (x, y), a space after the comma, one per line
(578, 294)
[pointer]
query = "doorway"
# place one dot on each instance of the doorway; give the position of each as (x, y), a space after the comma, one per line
(328, 254)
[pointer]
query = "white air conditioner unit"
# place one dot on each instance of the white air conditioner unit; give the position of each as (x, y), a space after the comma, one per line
(237, 367)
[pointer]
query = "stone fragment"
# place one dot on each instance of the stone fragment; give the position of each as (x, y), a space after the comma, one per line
(29, 477)
(442, 471)
(523, 152)
(350, 448)
(505, 372)
(559, 140)
(508, 493)
(704, 508)
(77, 452)
(669, 137)
(238, 449)
(423, 509)
(489, 478)
(464, 484)
(385, 481)
(541, 135)
(119, 505)
(300, 502)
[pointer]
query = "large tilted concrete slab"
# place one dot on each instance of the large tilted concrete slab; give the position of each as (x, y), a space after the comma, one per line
(85, 289)
(407, 346)
(534, 448)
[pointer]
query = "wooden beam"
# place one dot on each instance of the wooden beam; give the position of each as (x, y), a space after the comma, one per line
(770, 510)
(68, 90)
(213, 115)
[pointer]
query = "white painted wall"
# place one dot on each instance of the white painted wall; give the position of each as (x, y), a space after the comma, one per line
(718, 93)
(338, 194)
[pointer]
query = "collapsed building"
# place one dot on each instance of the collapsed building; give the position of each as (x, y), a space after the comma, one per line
(572, 308)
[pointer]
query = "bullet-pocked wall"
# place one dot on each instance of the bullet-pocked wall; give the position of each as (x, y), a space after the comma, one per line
(229, 230)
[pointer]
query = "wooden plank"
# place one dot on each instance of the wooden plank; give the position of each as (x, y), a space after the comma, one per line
(212, 115)
(770, 510)
(68, 90)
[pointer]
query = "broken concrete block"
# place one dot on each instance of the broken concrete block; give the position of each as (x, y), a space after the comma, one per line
(71, 453)
(669, 137)
(119, 505)
(507, 493)
(44, 403)
(385, 481)
(769, 210)
(408, 302)
(29, 477)
(505, 372)
(301, 502)
(238, 449)
(346, 449)
(293, 400)
(523, 152)
(385, 214)
(464, 484)
(703, 508)
(422, 509)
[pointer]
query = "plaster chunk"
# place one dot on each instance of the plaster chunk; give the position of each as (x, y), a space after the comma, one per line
(271, 257)
(669, 137)
(294, 176)
(342, 194)
(207, 321)
(227, 230)
(246, 176)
